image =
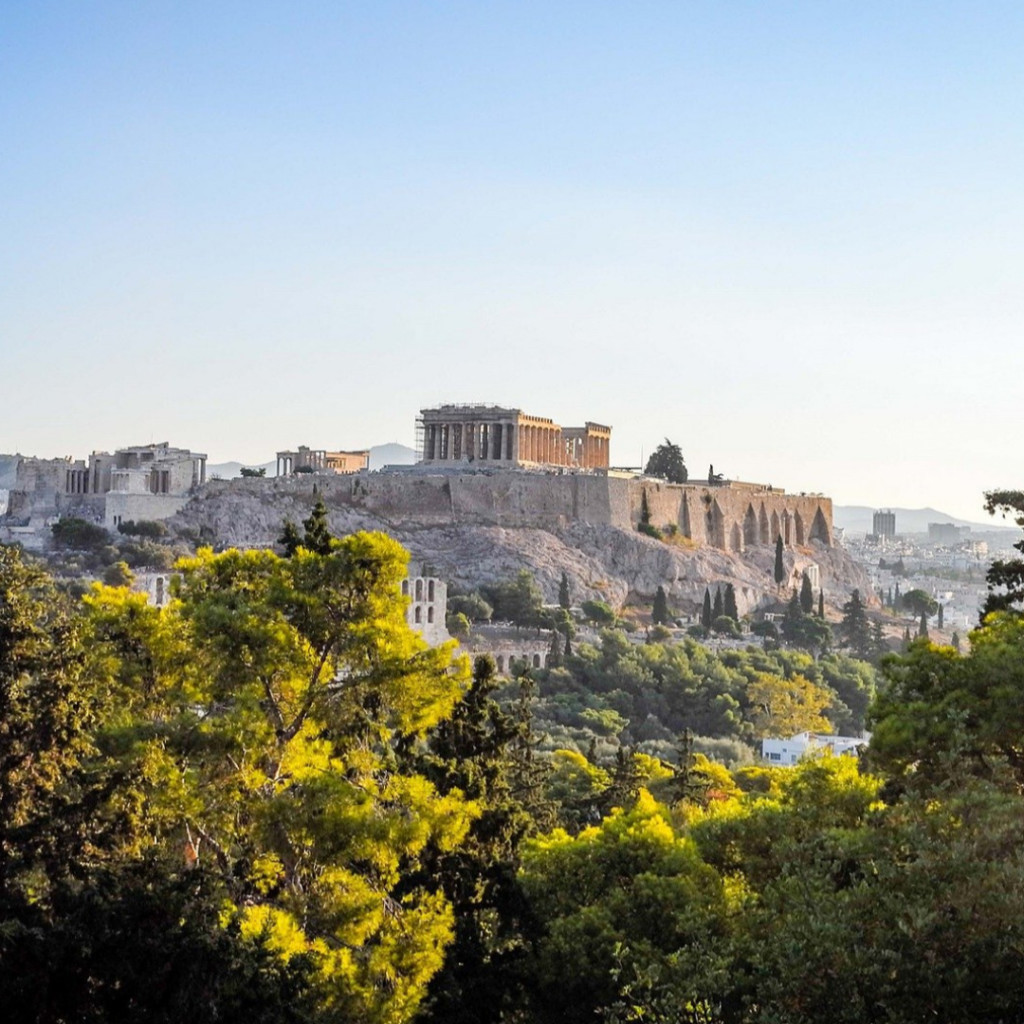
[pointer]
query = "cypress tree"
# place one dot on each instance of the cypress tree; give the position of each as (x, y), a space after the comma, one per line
(941, 616)
(659, 613)
(729, 607)
(821, 604)
(922, 629)
(780, 568)
(906, 639)
(705, 615)
(718, 609)
(563, 592)
(568, 646)
(806, 595)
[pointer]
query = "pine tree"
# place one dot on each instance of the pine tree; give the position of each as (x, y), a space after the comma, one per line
(318, 536)
(659, 613)
(806, 595)
(780, 567)
(855, 627)
(563, 593)
(821, 604)
(878, 644)
(290, 539)
(729, 606)
(705, 615)
(718, 608)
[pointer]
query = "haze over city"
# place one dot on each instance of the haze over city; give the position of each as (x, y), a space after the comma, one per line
(785, 236)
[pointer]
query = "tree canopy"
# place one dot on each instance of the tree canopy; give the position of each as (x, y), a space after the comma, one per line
(667, 462)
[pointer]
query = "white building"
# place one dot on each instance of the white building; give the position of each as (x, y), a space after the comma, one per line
(789, 751)
(428, 605)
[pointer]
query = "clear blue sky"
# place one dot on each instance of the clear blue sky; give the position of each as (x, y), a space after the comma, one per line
(789, 236)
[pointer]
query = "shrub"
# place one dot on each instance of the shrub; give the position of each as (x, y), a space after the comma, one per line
(79, 534)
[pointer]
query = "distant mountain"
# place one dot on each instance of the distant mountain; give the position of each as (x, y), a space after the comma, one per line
(858, 519)
(393, 454)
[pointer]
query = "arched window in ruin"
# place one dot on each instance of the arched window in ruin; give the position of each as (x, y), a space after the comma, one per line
(430, 590)
(419, 614)
(536, 661)
(405, 588)
(750, 527)
(819, 528)
(419, 590)
(430, 613)
(762, 523)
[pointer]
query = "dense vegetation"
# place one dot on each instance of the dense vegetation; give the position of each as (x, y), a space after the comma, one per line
(272, 802)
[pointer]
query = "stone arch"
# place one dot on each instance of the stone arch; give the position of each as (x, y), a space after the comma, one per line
(419, 614)
(430, 590)
(798, 524)
(736, 538)
(776, 531)
(715, 526)
(750, 527)
(762, 525)
(819, 528)
(419, 590)
(430, 613)
(405, 588)
(536, 661)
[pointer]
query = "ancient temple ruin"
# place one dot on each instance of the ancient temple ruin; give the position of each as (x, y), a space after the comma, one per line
(504, 437)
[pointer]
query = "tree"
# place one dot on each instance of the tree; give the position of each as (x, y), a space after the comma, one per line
(564, 600)
(598, 612)
(821, 604)
(705, 615)
(78, 534)
(729, 604)
(265, 713)
(855, 628)
(518, 600)
(473, 606)
(780, 566)
(920, 602)
(718, 607)
(783, 707)
(941, 615)
(806, 595)
(118, 575)
(318, 535)
(659, 613)
(666, 462)
(645, 525)
(805, 631)
(258, 471)
(1005, 577)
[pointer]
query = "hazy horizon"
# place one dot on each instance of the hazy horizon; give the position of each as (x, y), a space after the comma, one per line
(784, 235)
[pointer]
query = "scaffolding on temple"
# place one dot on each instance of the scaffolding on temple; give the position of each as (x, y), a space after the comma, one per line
(418, 443)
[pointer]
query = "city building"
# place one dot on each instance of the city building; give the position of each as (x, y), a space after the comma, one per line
(789, 751)
(883, 524)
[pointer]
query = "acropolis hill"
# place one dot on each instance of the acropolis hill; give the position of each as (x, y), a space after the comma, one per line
(496, 491)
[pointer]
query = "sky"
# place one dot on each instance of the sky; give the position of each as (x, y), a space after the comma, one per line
(786, 236)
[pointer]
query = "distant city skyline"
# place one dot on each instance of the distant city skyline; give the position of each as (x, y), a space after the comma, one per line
(784, 235)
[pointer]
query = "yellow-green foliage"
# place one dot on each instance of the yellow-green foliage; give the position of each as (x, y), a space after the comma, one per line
(261, 712)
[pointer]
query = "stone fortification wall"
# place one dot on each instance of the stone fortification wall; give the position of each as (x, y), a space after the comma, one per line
(731, 518)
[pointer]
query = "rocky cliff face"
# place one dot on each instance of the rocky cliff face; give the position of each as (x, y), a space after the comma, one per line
(602, 562)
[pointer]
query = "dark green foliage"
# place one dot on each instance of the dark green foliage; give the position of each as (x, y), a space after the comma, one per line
(718, 607)
(1005, 577)
(564, 599)
(780, 565)
(808, 632)
(317, 537)
(806, 595)
(942, 616)
(78, 534)
(247, 471)
(922, 626)
(666, 461)
(821, 604)
(855, 629)
(729, 605)
(518, 600)
(919, 602)
(660, 612)
(148, 528)
(598, 612)
(645, 525)
(725, 625)
(473, 606)
(705, 614)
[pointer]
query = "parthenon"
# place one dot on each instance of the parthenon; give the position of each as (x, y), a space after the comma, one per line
(508, 437)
